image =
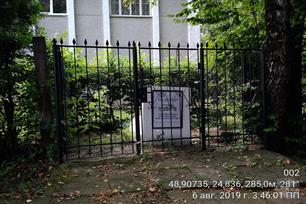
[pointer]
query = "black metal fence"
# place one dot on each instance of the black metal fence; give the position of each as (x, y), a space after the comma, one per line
(115, 100)
(304, 83)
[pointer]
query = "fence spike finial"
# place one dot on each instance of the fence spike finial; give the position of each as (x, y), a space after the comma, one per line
(198, 45)
(206, 43)
(61, 41)
(117, 43)
(187, 44)
(107, 43)
(97, 42)
(134, 44)
(169, 44)
(85, 41)
(178, 45)
(129, 44)
(54, 41)
(149, 44)
(139, 44)
(202, 45)
(159, 44)
(73, 41)
(216, 45)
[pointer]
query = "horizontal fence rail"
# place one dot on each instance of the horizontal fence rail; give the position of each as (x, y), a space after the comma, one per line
(117, 100)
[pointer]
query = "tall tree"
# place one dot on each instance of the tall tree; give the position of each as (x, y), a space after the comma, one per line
(16, 21)
(285, 22)
(226, 21)
(280, 25)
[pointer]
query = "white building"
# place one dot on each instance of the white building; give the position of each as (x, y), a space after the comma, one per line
(112, 20)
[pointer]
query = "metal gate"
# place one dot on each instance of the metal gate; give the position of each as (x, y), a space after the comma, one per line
(116, 100)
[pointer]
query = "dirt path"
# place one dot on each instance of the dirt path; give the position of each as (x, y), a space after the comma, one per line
(255, 176)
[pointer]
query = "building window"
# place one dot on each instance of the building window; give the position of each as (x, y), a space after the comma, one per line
(136, 8)
(54, 6)
(145, 7)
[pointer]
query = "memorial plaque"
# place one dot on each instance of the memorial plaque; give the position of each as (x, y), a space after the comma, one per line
(167, 109)
(156, 117)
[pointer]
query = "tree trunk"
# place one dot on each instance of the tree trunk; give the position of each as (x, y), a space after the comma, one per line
(284, 66)
(9, 110)
(45, 110)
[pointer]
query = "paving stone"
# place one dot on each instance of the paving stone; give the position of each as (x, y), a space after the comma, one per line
(128, 176)
(127, 182)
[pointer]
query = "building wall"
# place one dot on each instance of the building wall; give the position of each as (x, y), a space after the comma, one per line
(54, 25)
(88, 21)
(169, 30)
(131, 29)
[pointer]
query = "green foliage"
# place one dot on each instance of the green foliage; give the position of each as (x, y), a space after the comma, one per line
(95, 88)
(240, 146)
(17, 17)
(100, 92)
(236, 23)
(18, 98)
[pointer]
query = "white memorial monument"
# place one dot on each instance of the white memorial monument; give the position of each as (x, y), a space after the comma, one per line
(166, 114)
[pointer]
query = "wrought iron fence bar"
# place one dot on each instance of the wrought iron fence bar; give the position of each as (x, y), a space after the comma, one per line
(99, 96)
(207, 96)
(131, 95)
(136, 99)
(141, 86)
(151, 83)
(88, 97)
(108, 100)
(104, 144)
(225, 91)
(198, 103)
(217, 90)
(120, 95)
(180, 138)
(186, 48)
(160, 48)
(189, 93)
(202, 95)
(242, 57)
(234, 91)
(161, 96)
(214, 89)
(170, 93)
(99, 47)
(77, 99)
(180, 83)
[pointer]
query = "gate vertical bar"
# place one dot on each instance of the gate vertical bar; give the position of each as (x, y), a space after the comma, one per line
(263, 108)
(202, 95)
(243, 82)
(58, 89)
(136, 99)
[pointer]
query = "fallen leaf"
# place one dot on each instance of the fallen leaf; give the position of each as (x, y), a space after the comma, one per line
(286, 162)
(77, 193)
(152, 189)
